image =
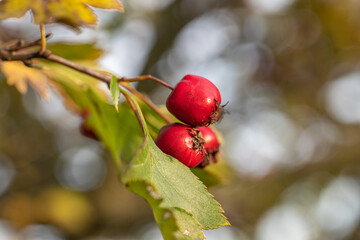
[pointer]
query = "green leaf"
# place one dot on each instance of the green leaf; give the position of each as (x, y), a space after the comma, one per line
(213, 174)
(174, 223)
(73, 79)
(176, 184)
(118, 131)
(115, 92)
(74, 13)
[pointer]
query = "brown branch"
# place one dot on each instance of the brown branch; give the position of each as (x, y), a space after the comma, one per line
(16, 44)
(146, 77)
(100, 76)
(8, 55)
(21, 45)
(104, 78)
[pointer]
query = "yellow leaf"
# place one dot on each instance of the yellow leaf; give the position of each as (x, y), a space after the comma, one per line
(19, 75)
(74, 13)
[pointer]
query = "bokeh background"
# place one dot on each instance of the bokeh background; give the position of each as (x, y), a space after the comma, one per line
(290, 71)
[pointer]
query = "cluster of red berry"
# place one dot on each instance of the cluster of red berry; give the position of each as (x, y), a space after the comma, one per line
(196, 102)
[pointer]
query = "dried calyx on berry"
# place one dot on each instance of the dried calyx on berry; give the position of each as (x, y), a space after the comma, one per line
(195, 101)
(182, 142)
(211, 145)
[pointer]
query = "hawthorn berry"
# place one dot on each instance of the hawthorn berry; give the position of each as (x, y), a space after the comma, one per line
(211, 145)
(195, 101)
(183, 143)
(85, 113)
(87, 131)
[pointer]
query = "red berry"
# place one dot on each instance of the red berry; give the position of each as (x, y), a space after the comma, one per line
(85, 129)
(85, 113)
(183, 143)
(211, 145)
(211, 142)
(195, 101)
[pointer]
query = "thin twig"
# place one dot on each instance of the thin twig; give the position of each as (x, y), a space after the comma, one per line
(16, 44)
(43, 39)
(106, 79)
(51, 57)
(147, 101)
(135, 110)
(8, 56)
(146, 77)
(22, 45)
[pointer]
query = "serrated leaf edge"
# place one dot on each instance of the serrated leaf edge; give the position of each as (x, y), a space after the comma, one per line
(159, 199)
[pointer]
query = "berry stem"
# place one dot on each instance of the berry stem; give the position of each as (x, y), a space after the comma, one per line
(135, 110)
(147, 101)
(145, 77)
